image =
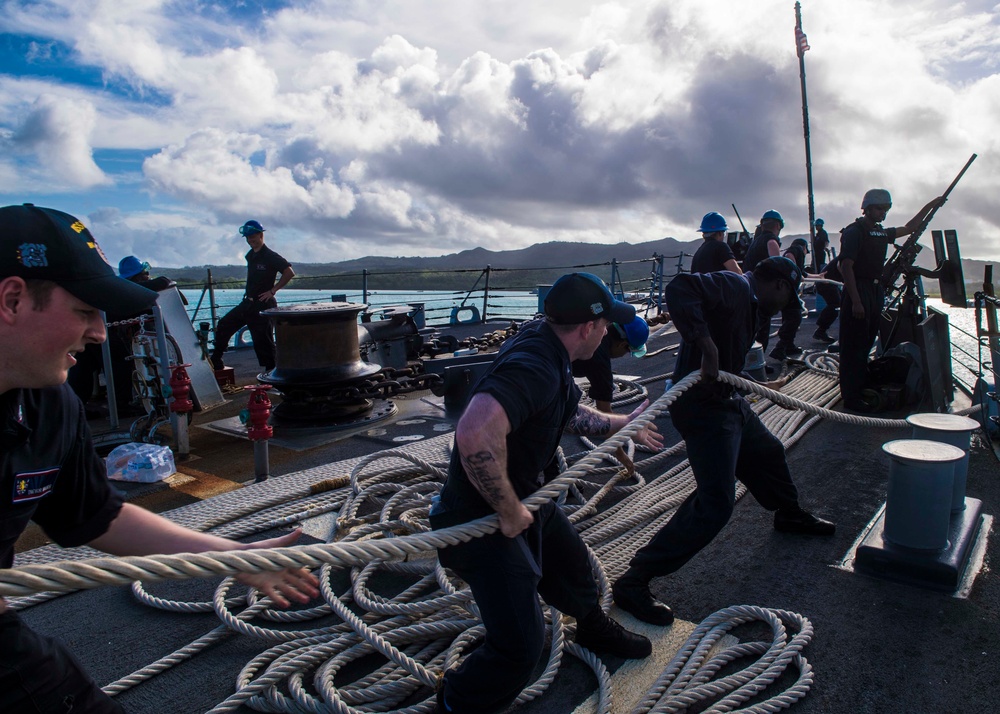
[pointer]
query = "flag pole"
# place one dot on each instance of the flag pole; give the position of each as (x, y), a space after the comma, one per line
(801, 45)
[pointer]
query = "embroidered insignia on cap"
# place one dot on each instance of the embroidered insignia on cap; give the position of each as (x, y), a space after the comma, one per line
(32, 255)
(78, 227)
(597, 308)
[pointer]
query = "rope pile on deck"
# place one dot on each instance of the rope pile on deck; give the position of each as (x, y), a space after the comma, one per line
(426, 628)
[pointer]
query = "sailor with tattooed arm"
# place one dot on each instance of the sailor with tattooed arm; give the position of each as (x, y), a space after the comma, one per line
(505, 444)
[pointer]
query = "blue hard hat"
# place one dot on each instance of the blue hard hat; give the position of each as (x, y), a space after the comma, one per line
(773, 215)
(130, 266)
(819, 221)
(251, 227)
(713, 223)
(635, 333)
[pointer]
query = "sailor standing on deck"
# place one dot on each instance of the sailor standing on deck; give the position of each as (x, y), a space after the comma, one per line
(821, 244)
(263, 265)
(505, 445)
(53, 282)
(768, 244)
(716, 315)
(714, 254)
(863, 246)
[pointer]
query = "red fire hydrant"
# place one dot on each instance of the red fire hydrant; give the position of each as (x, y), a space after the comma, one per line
(259, 431)
(180, 389)
(181, 406)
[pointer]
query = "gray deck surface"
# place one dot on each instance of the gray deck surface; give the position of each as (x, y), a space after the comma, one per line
(879, 647)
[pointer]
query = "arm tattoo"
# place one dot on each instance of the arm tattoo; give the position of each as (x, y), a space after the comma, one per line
(481, 469)
(588, 423)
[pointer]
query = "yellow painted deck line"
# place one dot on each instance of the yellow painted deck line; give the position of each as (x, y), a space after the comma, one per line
(199, 484)
(633, 679)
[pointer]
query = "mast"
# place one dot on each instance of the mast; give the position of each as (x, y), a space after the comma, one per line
(801, 45)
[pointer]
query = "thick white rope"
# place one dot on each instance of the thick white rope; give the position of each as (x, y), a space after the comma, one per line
(405, 627)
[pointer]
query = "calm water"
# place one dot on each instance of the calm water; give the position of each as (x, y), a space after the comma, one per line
(438, 306)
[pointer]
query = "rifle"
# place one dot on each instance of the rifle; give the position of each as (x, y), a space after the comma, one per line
(740, 220)
(902, 260)
(743, 242)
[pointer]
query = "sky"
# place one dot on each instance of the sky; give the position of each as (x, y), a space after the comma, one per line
(411, 128)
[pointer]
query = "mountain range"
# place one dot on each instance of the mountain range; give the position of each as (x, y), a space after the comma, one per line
(521, 269)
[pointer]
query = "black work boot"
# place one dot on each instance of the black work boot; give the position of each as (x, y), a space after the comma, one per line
(599, 633)
(821, 335)
(632, 595)
(216, 360)
(795, 520)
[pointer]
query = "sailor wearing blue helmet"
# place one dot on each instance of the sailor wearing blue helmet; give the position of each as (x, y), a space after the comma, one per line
(714, 254)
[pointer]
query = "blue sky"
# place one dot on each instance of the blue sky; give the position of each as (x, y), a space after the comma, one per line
(403, 127)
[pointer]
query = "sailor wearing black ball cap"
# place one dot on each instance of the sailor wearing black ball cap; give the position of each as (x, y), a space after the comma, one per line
(505, 444)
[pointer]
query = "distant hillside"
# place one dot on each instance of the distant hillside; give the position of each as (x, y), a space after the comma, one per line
(509, 269)
(522, 269)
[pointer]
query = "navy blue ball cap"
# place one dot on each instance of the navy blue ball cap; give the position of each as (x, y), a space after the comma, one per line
(251, 227)
(779, 267)
(581, 297)
(45, 244)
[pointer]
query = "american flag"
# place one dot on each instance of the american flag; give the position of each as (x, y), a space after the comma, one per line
(801, 41)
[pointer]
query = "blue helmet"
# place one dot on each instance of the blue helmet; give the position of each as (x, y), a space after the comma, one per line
(713, 223)
(130, 266)
(819, 221)
(251, 227)
(773, 215)
(635, 333)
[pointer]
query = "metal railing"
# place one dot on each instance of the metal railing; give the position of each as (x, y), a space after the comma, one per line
(482, 299)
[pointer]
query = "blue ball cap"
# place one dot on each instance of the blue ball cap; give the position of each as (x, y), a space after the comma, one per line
(251, 227)
(576, 298)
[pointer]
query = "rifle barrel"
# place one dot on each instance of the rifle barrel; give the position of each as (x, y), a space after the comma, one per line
(947, 191)
(740, 219)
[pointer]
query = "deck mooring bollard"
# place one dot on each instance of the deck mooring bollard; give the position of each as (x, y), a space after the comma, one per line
(259, 431)
(921, 482)
(951, 429)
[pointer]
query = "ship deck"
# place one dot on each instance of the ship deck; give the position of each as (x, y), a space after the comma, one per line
(878, 645)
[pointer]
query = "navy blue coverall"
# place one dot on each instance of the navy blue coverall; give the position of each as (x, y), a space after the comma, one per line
(532, 380)
(725, 439)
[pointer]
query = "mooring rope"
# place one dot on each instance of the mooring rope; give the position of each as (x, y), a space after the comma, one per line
(381, 526)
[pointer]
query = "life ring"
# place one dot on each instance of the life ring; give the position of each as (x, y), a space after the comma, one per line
(473, 319)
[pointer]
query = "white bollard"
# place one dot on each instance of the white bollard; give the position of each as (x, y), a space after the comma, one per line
(948, 429)
(921, 482)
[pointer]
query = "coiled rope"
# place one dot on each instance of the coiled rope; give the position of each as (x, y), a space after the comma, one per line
(425, 629)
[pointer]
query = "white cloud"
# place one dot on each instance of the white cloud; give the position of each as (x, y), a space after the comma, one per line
(446, 126)
(57, 133)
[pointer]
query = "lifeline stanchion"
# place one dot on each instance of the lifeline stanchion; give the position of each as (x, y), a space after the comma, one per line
(258, 430)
